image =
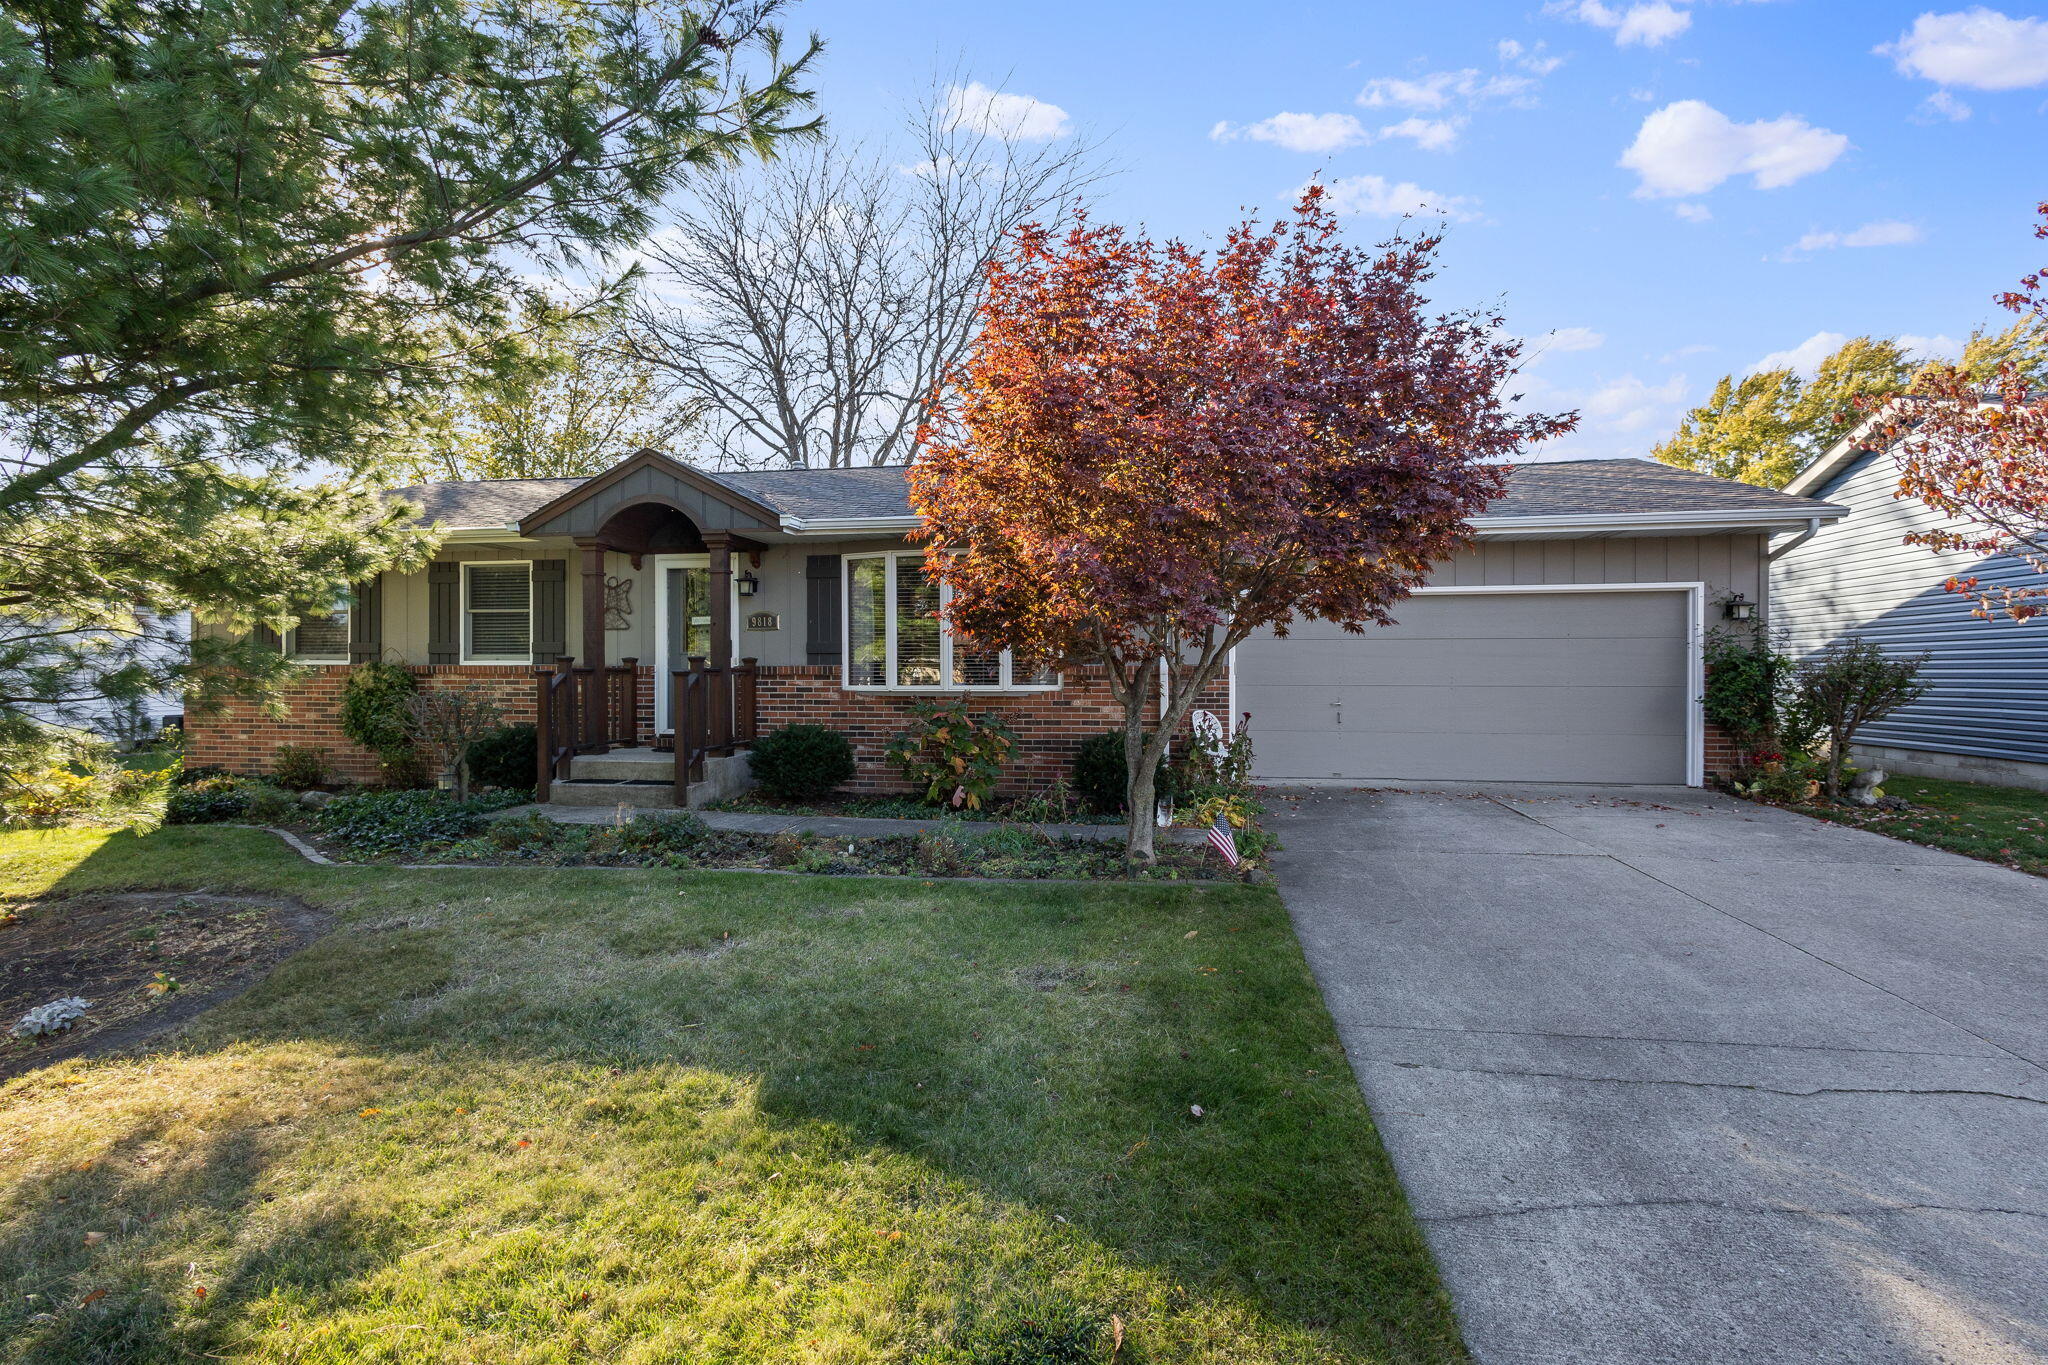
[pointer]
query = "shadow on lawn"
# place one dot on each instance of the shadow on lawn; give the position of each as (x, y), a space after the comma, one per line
(1007, 1050)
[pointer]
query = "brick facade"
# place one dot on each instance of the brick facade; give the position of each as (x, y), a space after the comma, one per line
(1050, 725)
(243, 738)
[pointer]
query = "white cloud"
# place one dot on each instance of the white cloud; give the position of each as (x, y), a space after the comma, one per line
(1430, 134)
(1531, 57)
(1692, 213)
(1299, 132)
(1690, 147)
(1942, 105)
(999, 114)
(1649, 24)
(1374, 196)
(1885, 232)
(1978, 48)
(1696, 348)
(1628, 404)
(1806, 357)
(1940, 346)
(1563, 339)
(1442, 89)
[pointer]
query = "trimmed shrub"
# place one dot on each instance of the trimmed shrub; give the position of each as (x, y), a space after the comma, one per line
(1100, 779)
(299, 767)
(802, 762)
(1099, 772)
(505, 758)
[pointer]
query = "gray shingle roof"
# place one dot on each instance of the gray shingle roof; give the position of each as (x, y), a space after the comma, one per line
(1558, 489)
(1567, 488)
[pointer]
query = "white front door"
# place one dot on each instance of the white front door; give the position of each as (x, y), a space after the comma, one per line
(682, 595)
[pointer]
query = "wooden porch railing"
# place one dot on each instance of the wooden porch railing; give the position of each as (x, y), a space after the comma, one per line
(582, 711)
(713, 711)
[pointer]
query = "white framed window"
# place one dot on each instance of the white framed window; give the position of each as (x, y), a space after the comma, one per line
(896, 641)
(497, 612)
(320, 638)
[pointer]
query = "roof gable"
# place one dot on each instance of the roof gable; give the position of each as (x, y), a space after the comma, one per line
(649, 476)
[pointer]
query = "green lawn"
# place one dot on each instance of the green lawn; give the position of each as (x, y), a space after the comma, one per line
(2006, 825)
(516, 1115)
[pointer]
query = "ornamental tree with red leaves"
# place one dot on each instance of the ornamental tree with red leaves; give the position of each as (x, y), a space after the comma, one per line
(1981, 457)
(1153, 452)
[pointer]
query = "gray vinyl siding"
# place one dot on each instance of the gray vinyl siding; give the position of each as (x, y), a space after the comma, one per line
(1858, 577)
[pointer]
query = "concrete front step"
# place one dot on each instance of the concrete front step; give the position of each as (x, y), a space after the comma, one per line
(625, 765)
(645, 780)
(583, 791)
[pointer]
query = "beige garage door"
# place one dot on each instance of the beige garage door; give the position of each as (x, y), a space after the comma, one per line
(1510, 687)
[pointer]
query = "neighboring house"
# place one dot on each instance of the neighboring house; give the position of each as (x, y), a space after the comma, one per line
(1564, 646)
(1986, 716)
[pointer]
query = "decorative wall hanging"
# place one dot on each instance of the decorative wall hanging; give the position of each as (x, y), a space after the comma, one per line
(618, 603)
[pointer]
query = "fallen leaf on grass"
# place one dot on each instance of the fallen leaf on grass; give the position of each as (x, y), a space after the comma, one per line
(93, 1239)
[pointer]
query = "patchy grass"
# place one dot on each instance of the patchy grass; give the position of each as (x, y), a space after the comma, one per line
(527, 1115)
(2006, 825)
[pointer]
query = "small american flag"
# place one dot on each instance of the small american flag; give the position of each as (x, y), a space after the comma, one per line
(1224, 839)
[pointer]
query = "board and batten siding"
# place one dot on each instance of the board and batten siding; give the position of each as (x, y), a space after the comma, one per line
(1859, 577)
(1726, 564)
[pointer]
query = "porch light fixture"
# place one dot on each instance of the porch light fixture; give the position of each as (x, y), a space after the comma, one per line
(1736, 608)
(747, 584)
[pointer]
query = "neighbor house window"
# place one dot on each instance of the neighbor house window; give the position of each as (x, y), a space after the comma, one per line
(319, 639)
(497, 613)
(895, 637)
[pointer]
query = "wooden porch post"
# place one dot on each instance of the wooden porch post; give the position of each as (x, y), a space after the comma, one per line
(720, 545)
(594, 736)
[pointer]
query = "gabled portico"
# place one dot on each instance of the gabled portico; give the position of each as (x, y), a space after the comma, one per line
(650, 508)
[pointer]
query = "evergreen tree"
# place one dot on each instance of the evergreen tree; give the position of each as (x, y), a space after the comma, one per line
(245, 245)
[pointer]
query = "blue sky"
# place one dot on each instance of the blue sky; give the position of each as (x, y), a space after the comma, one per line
(1676, 188)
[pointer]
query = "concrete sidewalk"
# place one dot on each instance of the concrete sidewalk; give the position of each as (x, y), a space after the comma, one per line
(1675, 1078)
(843, 826)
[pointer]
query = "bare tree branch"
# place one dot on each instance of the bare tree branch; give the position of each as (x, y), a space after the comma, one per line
(816, 304)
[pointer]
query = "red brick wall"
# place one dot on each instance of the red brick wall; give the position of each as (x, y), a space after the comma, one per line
(1722, 760)
(1051, 725)
(242, 738)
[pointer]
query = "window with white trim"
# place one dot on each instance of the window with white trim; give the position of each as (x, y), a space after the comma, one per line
(319, 638)
(896, 639)
(497, 612)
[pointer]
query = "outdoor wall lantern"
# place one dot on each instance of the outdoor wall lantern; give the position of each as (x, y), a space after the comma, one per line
(747, 584)
(1736, 608)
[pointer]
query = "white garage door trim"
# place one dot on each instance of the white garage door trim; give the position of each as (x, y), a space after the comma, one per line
(1695, 652)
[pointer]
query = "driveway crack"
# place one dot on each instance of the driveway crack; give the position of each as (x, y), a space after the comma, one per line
(1722, 1206)
(1722, 1085)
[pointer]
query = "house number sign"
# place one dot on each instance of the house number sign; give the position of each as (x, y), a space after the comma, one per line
(764, 620)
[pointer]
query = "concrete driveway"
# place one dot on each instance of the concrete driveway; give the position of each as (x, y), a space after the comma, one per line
(1672, 1077)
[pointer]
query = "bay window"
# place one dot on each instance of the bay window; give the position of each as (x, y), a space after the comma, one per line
(895, 637)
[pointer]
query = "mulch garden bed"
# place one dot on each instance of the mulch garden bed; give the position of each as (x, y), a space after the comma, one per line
(147, 961)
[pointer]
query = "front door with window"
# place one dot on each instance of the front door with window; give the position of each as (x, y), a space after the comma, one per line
(685, 614)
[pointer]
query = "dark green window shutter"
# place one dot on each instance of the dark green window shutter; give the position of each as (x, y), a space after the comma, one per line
(366, 622)
(821, 609)
(264, 635)
(550, 610)
(444, 612)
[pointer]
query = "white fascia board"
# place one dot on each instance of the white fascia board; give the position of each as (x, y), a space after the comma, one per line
(1675, 522)
(1484, 526)
(839, 526)
(495, 534)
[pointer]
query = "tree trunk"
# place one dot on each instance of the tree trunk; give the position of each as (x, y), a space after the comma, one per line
(1140, 780)
(1838, 750)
